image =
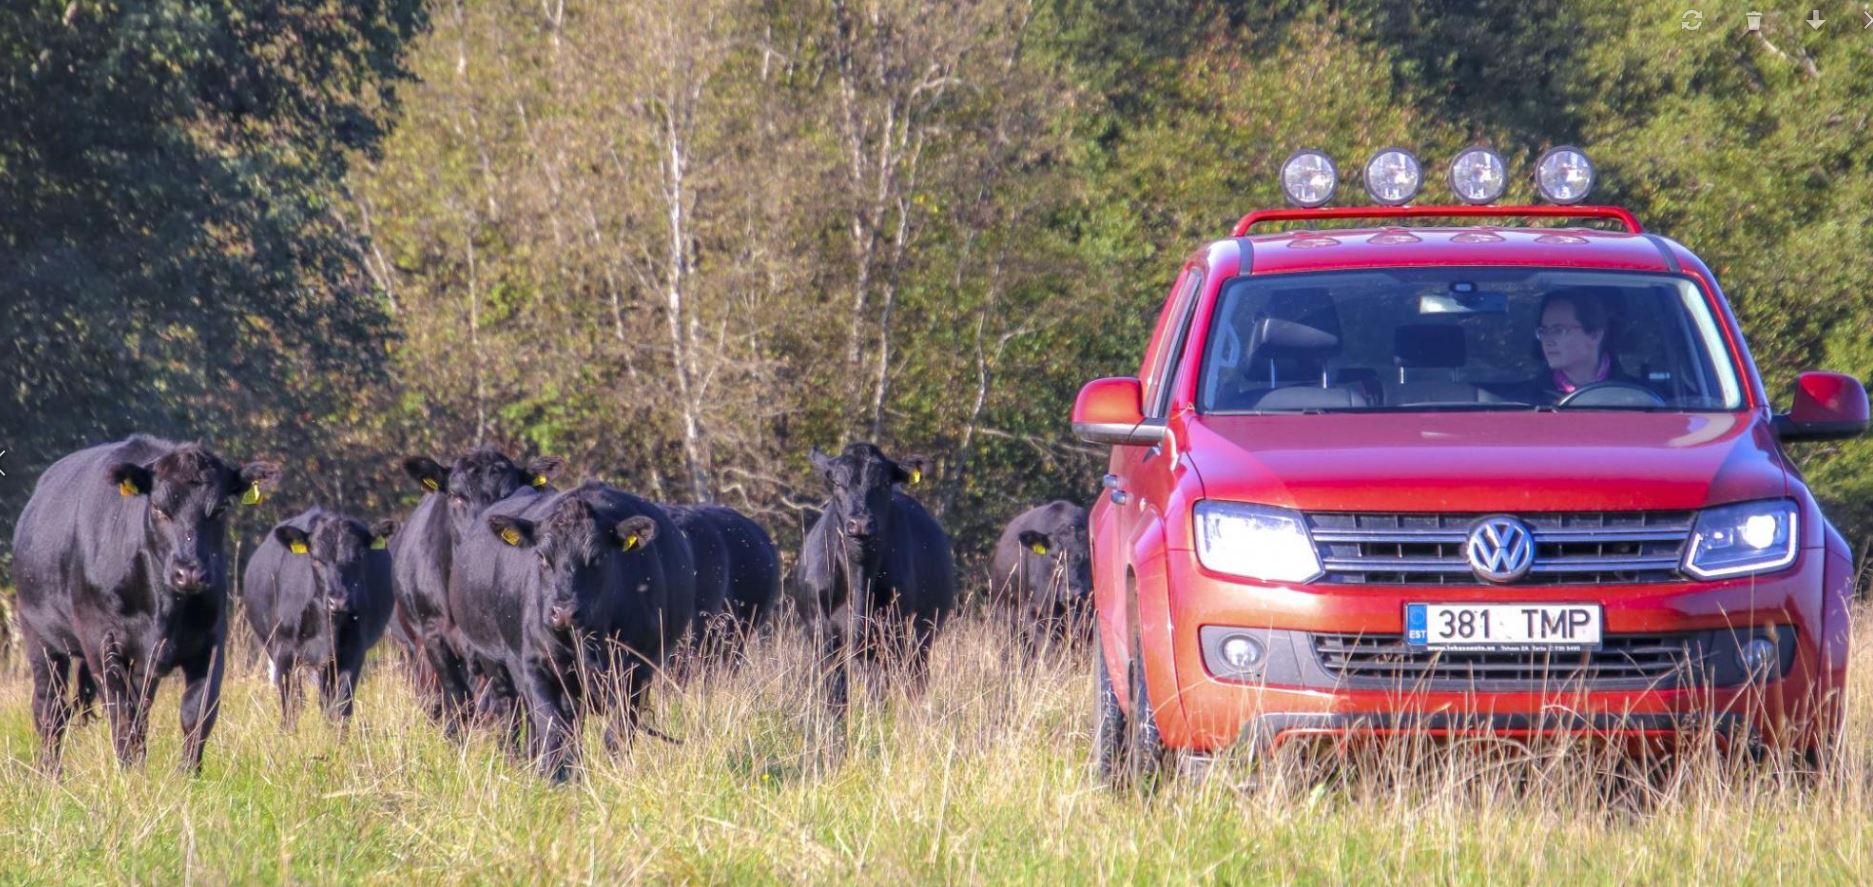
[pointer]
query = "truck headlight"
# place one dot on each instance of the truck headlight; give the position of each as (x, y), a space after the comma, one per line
(1751, 537)
(1255, 542)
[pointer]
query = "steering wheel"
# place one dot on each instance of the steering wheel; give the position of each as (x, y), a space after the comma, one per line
(1611, 393)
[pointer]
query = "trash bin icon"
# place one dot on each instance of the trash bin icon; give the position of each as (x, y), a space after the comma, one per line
(1755, 20)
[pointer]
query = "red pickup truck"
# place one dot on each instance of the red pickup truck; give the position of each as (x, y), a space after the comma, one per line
(1509, 481)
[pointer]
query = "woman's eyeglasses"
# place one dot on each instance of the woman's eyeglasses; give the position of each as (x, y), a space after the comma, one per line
(1554, 331)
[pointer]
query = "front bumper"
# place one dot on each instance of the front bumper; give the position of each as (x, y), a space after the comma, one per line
(1299, 695)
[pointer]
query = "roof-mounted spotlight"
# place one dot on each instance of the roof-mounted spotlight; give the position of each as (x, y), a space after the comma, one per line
(1308, 177)
(1393, 176)
(1478, 175)
(1564, 175)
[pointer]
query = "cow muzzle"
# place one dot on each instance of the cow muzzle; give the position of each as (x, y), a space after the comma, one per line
(559, 617)
(337, 605)
(188, 578)
(859, 527)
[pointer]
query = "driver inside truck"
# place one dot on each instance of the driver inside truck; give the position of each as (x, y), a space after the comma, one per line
(1576, 338)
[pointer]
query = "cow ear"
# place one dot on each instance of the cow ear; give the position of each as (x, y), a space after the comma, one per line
(252, 480)
(427, 472)
(1035, 541)
(633, 533)
(295, 539)
(132, 479)
(540, 471)
(822, 463)
(514, 531)
(380, 534)
(909, 470)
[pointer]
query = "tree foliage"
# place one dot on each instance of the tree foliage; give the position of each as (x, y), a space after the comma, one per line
(679, 243)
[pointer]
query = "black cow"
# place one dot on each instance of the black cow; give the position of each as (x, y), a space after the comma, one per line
(1042, 575)
(317, 595)
(585, 593)
(120, 563)
(421, 557)
(874, 564)
(737, 574)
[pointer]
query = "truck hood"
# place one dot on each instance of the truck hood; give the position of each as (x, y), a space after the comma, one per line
(1486, 461)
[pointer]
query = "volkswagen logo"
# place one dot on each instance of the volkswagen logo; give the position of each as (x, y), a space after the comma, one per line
(1500, 549)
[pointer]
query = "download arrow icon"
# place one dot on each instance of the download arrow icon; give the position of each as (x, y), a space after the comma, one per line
(1815, 20)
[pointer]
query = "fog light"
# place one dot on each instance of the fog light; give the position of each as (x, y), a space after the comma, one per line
(1478, 176)
(1564, 175)
(1308, 178)
(1241, 652)
(1759, 657)
(1393, 176)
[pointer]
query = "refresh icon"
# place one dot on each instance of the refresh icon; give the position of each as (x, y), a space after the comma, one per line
(1691, 20)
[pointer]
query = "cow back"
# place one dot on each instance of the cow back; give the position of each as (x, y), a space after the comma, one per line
(917, 562)
(278, 591)
(76, 525)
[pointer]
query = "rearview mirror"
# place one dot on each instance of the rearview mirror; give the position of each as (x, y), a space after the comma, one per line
(1110, 411)
(1828, 406)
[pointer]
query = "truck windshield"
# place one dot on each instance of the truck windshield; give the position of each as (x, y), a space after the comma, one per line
(1464, 339)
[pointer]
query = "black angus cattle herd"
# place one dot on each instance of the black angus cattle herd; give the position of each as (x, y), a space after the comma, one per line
(515, 603)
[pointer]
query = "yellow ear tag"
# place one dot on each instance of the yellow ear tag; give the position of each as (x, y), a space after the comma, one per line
(379, 544)
(510, 536)
(299, 547)
(539, 480)
(125, 488)
(253, 495)
(630, 542)
(429, 483)
(1038, 548)
(916, 476)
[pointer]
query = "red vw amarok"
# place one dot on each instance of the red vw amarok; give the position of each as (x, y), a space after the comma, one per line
(1459, 480)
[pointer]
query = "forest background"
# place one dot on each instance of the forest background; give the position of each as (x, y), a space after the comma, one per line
(677, 242)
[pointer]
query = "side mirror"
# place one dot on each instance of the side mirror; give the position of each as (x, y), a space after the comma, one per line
(1828, 406)
(1110, 411)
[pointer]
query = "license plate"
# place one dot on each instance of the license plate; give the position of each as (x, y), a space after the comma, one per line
(1503, 627)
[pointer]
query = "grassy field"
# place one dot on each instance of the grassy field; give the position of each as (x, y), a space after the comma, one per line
(983, 780)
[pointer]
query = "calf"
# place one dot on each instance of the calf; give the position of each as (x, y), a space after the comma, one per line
(1042, 573)
(120, 564)
(874, 564)
(737, 574)
(596, 587)
(422, 555)
(318, 597)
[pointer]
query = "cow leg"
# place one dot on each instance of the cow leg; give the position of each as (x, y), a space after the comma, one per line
(201, 705)
(835, 660)
(451, 673)
(629, 687)
(550, 716)
(284, 669)
(52, 711)
(917, 669)
(129, 686)
(346, 671)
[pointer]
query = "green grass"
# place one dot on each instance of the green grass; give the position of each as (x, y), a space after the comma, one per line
(982, 780)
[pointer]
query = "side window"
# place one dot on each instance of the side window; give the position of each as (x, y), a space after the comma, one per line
(1170, 351)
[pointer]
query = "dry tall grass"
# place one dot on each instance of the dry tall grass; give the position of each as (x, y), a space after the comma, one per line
(981, 780)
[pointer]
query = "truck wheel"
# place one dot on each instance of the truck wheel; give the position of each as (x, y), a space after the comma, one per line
(1109, 732)
(1146, 748)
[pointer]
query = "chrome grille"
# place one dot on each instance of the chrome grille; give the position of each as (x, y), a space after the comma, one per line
(1594, 548)
(1653, 661)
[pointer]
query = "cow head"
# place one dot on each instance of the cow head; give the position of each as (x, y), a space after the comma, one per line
(579, 554)
(187, 490)
(484, 476)
(1059, 554)
(861, 479)
(337, 548)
